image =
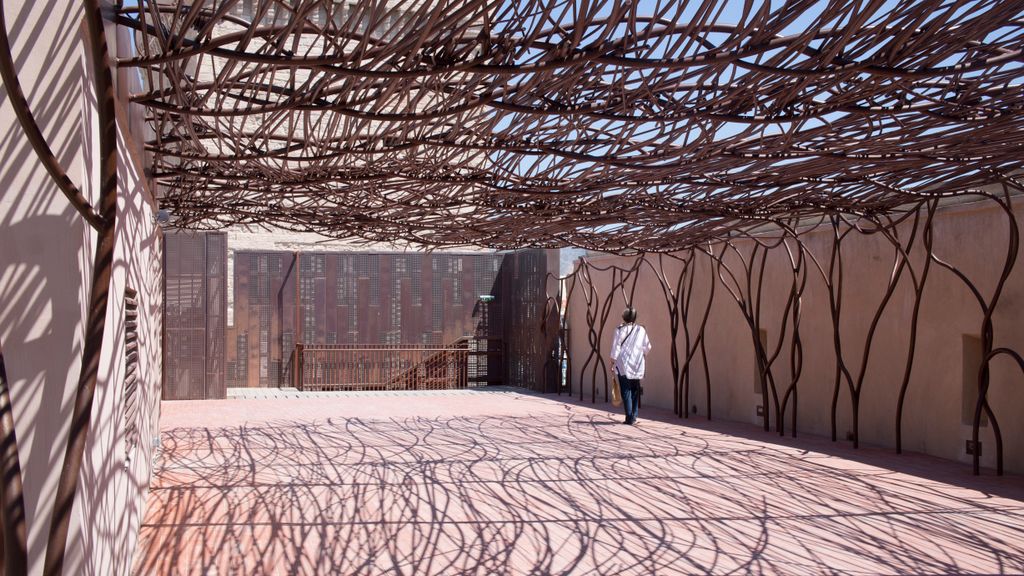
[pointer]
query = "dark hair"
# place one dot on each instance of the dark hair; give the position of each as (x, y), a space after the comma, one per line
(629, 315)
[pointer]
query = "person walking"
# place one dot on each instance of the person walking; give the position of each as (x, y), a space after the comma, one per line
(629, 350)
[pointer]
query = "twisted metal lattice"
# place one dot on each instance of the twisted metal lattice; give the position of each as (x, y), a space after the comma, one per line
(609, 125)
(737, 269)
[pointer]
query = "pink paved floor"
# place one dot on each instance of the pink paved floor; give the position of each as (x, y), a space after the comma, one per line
(503, 483)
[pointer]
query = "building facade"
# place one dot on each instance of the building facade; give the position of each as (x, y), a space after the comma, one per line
(235, 315)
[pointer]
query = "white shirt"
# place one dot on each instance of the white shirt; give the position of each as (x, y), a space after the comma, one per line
(629, 347)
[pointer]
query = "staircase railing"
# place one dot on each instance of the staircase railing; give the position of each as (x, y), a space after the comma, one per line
(381, 367)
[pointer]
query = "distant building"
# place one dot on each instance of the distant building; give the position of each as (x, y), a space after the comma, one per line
(232, 318)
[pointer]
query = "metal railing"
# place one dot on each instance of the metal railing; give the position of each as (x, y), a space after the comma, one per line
(382, 367)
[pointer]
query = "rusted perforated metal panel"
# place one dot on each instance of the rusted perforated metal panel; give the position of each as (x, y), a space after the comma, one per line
(216, 304)
(264, 318)
(194, 316)
(344, 298)
(521, 300)
(350, 298)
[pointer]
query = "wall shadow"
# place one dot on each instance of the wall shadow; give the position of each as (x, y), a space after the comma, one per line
(45, 265)
(41, 250)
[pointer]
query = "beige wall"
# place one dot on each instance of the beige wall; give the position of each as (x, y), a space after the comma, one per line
(45, 265)
(971, 236)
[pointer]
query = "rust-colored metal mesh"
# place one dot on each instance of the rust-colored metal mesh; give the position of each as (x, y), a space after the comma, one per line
(352, 298)
(195, 301)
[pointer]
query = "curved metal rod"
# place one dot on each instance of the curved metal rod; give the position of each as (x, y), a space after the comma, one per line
(506, 123)
(698, 340)
(12, 498)
(35, 136)
(899, 265)
(798, 268)
(988, 306)
(743, 275)
(919, 284)
(982, 403)
(95, 324)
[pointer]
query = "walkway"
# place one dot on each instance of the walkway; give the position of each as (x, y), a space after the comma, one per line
(478, 482)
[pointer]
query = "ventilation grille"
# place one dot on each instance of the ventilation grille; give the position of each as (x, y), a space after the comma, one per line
(131, 372)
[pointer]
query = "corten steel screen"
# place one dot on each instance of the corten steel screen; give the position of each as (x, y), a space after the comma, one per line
(528, 337)
(264, 318)
(346, 298)
(194, 315)
(351, 298)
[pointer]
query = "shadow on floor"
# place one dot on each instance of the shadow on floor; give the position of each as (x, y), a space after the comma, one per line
(554, 490)
(912, 463)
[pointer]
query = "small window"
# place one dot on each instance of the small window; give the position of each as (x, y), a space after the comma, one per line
(131, 369)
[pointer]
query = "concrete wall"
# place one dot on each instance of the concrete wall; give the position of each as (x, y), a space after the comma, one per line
(45, 265)
(971, 236)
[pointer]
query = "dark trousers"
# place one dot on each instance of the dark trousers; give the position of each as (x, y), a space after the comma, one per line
(630, 389)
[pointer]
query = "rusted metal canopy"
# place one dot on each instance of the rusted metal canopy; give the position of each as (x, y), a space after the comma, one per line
(609, 125)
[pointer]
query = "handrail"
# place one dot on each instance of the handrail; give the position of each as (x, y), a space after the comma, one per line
(360, 366)
(317, 347)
